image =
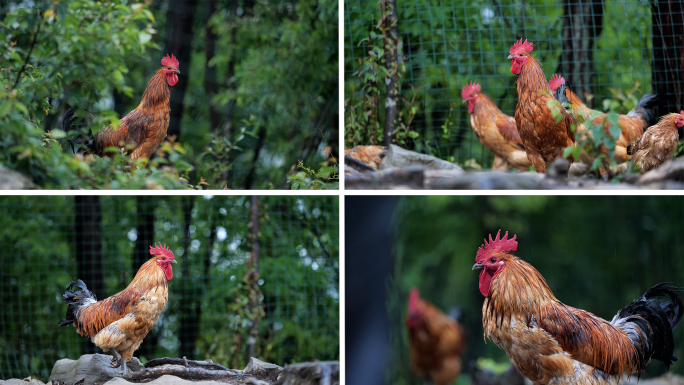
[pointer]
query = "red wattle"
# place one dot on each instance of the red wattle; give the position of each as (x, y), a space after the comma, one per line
(172, 79)
(471, 105)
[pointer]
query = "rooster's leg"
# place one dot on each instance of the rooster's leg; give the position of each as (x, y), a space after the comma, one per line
(118, 361)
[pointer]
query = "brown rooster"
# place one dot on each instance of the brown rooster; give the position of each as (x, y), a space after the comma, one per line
(121, 322)
(436, 341)
(543, 138)
(143, 129)
(552, 343)
(632, 125)
(495, 130)
(658, 144)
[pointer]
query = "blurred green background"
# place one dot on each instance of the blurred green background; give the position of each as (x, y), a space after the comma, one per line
(596, 253)
(43, 242)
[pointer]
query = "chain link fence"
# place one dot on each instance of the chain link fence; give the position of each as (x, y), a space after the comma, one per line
(610, 52)
(50, 241)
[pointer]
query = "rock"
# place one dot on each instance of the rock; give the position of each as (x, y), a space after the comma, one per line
(399, 157)
(409, 177)
(489, 180)
(164, 380)
(25, 381)
(14, 180)
(558, 169)
(351, 164)
(310, 373)
(257, 364)
(92, 368)
(670, 171)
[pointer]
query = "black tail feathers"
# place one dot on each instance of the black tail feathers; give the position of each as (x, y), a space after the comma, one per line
(73, 125)
(75, 295)
(645, 108)
(630, 149)
(656, 320)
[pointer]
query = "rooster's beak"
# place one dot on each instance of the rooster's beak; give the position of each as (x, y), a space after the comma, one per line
(177, 71)
(174, 261)
(510, 57)
(477, 266)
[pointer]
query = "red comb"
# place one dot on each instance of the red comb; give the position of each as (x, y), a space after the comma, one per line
(520, 45)
(159, 250)
(496, 246)
(413, 299)
(469, 89)
(682, 112)
(555, 82)
(170, 61)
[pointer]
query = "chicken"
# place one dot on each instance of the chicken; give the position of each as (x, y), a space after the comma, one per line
(544, 138)
(370, 156)
(143, 129)
(436, 341)
(552, 343)
(658, 144)
(495, 130)
(120, 323)
(632, 125)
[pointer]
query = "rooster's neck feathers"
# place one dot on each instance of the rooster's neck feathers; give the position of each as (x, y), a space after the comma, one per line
(149, 275)
(531, 79)
(157, 94)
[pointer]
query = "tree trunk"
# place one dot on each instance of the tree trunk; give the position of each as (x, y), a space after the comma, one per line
(189, 328)
(391, 45)
(253, 281)
(582, 23)
(88, 227)
(667, 18)
(179, 22)
(261, 134)
(210, 85)
(141, 253)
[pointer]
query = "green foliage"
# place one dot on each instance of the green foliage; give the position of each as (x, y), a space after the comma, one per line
(596, 253)
(84, 52)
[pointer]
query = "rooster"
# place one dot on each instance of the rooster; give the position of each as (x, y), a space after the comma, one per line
(436, 341)
(495, 130)
(544, 138)
(143, 129)
(121, 322)
(552, 343)
(658, 144)
(632, 125)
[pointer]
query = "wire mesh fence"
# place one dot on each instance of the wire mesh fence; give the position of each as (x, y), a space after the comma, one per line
(50, 241)
(609, 52)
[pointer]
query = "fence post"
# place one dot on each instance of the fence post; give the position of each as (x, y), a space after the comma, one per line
(253, 278)
(667, 19)
(389, 15)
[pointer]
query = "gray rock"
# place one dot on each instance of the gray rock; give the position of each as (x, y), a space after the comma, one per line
(164, 380)
(489, 180)
(399, 157)
(14, 180)
(409, 177)
(670, 171)
(311, 373)
(26, 381)
(255, 363)
(667, 379)
(92, 368)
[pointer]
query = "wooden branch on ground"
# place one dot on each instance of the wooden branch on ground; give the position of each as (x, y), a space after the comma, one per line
(184, 362)
(190, 374)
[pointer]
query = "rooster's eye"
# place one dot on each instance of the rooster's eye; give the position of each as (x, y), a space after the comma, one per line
(521, 54)
(163, 258)
(493, 260)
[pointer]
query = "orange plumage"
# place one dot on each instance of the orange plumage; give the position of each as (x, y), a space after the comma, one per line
(121, 322)
(543, 138)
(143, 129)
(658, 144)
(436, 341)
(549, 342)
(495, 130)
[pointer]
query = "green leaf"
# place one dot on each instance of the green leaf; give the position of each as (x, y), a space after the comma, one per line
(144, 37)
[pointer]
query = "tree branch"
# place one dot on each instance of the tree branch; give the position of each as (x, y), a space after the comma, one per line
(28, 57)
